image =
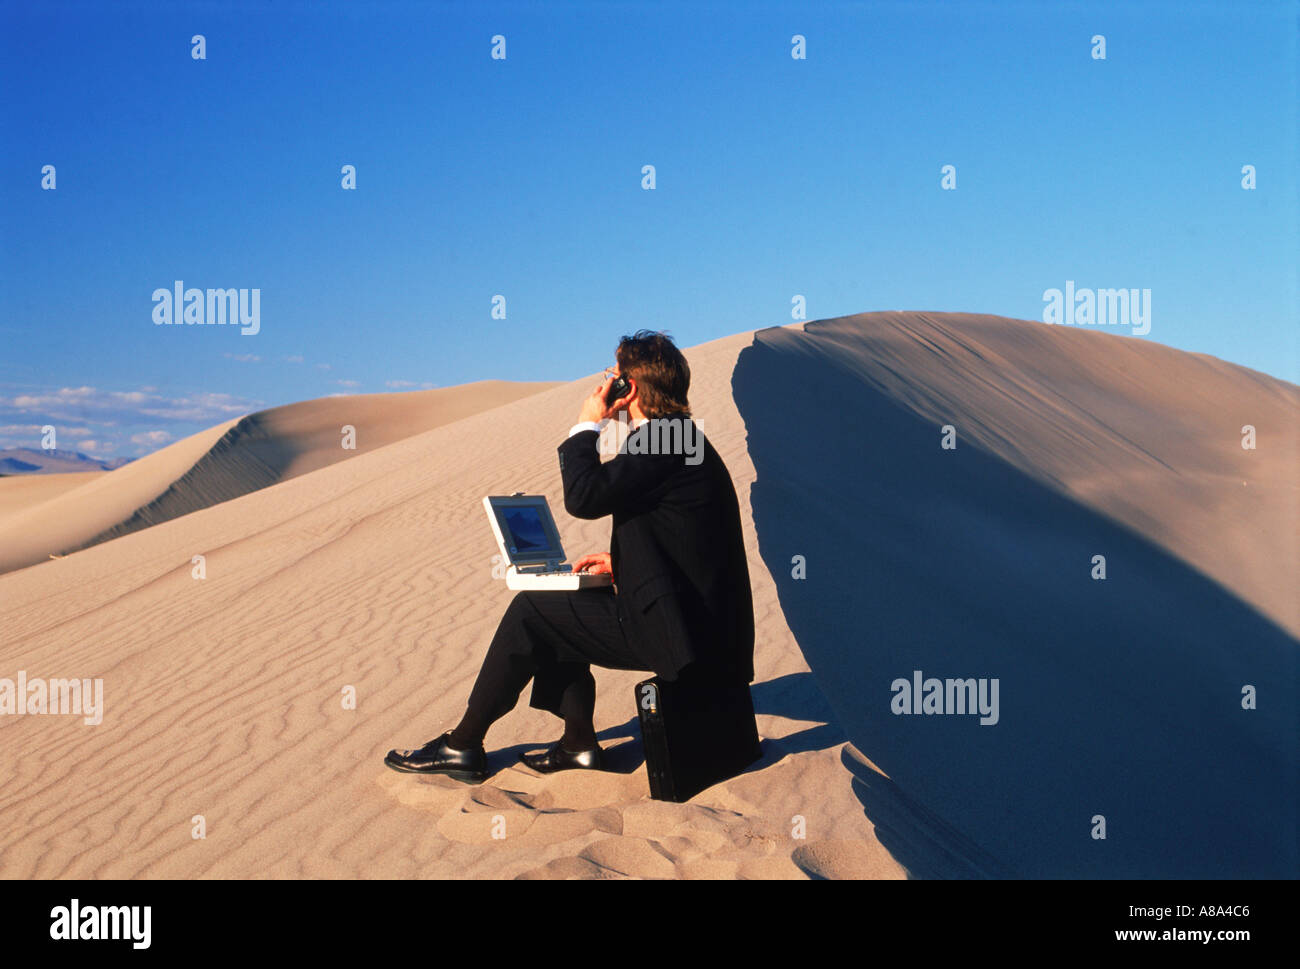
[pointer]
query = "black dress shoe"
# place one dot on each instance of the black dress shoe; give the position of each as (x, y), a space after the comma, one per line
(436, 757)
(558, 758)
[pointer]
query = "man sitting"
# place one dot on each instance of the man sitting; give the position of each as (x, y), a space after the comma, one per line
(680, 603)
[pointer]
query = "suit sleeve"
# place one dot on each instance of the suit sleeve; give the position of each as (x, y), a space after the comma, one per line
(595, 488)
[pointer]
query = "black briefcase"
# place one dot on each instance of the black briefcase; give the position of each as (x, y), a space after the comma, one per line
(696, 734)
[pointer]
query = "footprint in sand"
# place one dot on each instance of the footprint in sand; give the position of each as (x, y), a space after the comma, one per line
(617, 830)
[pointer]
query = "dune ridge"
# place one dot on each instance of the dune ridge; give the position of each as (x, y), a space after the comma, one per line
(1126, 696)
(236, 458)
(1065, 405)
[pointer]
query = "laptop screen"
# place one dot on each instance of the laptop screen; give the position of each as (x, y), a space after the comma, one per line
(528, 530)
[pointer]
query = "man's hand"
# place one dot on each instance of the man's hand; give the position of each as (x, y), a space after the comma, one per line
(595, 564)
(594, 408)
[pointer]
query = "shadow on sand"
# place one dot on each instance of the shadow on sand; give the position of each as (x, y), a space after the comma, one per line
(1119, 698)
(795, 697)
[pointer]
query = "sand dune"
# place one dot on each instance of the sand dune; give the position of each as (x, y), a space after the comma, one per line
(71, 520)
(1120, 698)
(223, 694)
(22, 491)
(235, 458)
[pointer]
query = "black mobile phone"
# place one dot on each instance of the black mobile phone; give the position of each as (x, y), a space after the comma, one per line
(619, 388)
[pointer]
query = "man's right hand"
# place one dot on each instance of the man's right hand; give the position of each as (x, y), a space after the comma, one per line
(597, 563)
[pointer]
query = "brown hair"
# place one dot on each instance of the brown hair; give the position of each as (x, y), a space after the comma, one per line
(660, 370)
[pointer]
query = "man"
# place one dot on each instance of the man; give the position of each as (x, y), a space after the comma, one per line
(680, 603)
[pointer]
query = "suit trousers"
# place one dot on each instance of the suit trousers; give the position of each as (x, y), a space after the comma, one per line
(551, 638)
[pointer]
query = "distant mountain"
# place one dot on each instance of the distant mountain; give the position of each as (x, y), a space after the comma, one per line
(25, 460)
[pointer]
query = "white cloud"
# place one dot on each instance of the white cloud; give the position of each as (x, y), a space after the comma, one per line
(151, 438)
(90, 405)
(295, 358)
(31, 435)
(64, 395)
(398, 384)
(243, 357)
(348, 383)
(199, 407)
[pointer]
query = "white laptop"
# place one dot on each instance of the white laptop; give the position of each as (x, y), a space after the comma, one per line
(530, 542)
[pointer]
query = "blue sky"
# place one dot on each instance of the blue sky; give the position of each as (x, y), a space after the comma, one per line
(522, 177)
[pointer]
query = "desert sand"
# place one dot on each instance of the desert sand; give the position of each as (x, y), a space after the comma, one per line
(1120, 697)
(18, 492)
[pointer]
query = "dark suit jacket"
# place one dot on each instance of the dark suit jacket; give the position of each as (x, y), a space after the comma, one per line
(677, 551)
